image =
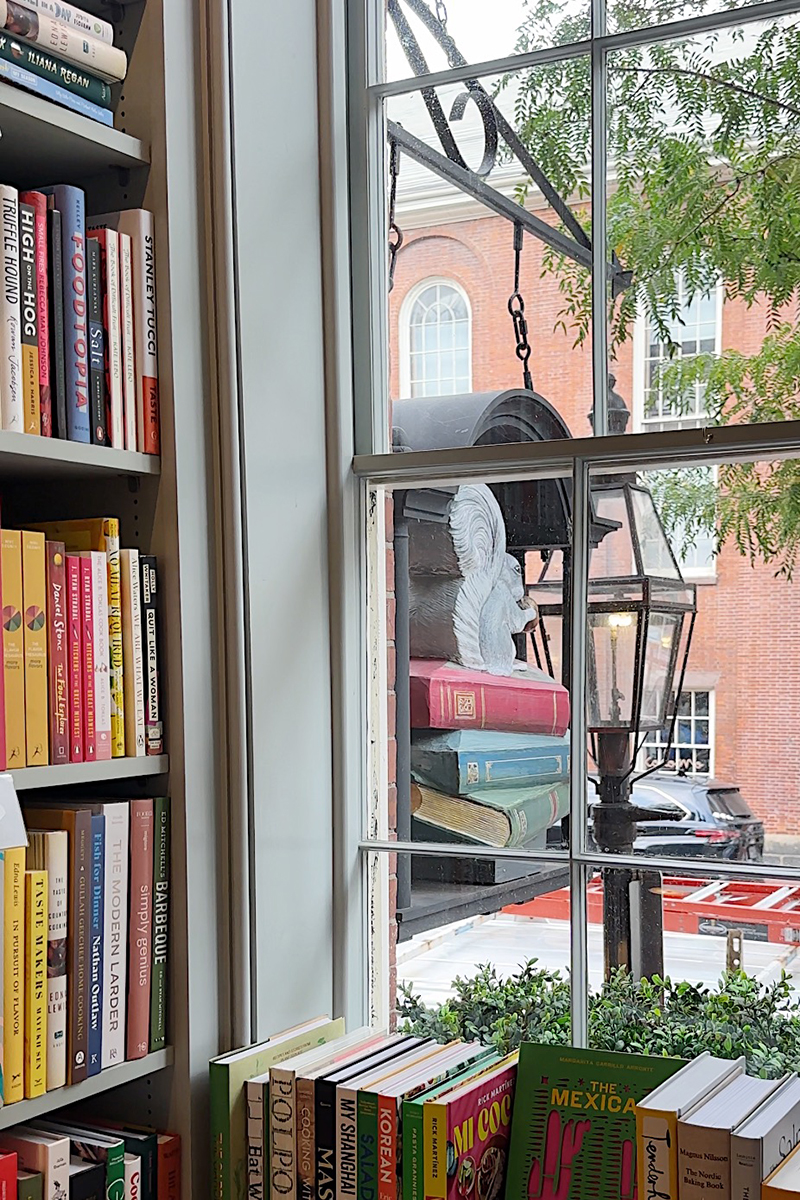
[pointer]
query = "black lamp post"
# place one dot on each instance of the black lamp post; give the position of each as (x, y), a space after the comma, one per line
(640, 620)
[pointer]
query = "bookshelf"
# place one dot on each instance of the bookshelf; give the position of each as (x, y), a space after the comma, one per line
(152, 159)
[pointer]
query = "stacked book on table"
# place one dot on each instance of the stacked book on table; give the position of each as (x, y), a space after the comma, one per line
(489, 755)
(80, 678)
(63, 54)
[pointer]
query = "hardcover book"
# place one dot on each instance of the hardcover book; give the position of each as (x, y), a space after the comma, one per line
(58, 651)
(75, 657)
(573, 1132)
(57, 37)
(158, 983)
(133, 1177)
(133, 665)
(70, 202)
(35, 983)
(140, 928)
(43, 1153)
(70, 15)
(12, 72)
(59, 73)
(88, 682)
(784, 1182)
(11, 393)
(30, 1185)
(38, 202)
(108, 241)
(128, 341)
(13, 975)
(34, 599)
(101, 653)
(141, 1144)
(29, 324)
(491, 816)
(13, 649)
(8, 1176)
(58, 363)
(704, 1136)
(87, 1180)
(93, 1147)
(762, 1142)
(465, 759)
(153, 727)
(97, 928)
(49, 851)
(169, 1166)
(96, 345)
(447, 696)
(3, 762)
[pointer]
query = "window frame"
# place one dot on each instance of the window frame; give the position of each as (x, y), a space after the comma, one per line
(694, 746)
(404, 330)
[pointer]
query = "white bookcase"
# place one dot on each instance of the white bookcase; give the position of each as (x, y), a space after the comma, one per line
(153, 158)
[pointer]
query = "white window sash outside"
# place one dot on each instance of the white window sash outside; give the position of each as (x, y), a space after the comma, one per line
(404, 328)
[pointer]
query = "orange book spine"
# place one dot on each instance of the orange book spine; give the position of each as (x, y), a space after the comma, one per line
(13, 649)
(169, 1166)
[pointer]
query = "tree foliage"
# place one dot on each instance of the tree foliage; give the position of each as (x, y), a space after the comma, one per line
(703, 144)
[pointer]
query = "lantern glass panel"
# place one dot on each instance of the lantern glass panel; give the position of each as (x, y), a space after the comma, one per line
(660, 645)
(613, 639)
(657, 557)
(614, 557)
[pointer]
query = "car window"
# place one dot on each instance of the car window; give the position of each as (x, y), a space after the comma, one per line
(654, 797)
(728, 802)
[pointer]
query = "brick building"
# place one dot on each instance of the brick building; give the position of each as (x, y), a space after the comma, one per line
(450, 332)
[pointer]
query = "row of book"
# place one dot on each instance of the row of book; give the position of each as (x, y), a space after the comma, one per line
(313, 1112)
(62, 53)
(77, 1159)
(85, 924)
(80, 679)
(78, 346)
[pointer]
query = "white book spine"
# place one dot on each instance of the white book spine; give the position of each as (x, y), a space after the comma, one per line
(133, 1174)
(102, 654)
(10, 315)
(57, 859)
(128, 352)
(75, 45)
(115, 940)
(114, 340)
(132, 661)
(76, 17)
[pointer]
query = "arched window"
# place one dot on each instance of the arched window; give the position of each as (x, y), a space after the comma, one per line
(436, 340)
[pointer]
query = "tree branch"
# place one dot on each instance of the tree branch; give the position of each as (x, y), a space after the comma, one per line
(714, 80)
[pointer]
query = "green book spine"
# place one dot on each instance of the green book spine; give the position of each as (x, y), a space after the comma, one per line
(219, 1104)
(413, 1161)
(115, 1172)
(63, 74)
(30, 1187)
(158, 983)
(367, 1134)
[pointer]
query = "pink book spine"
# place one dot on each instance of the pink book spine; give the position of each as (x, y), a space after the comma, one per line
(58, 651)
(75, 650)
(38, 203)
(3, 762)
(87, 662)
(140, 928)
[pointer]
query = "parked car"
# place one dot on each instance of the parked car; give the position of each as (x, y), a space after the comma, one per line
(694, 817)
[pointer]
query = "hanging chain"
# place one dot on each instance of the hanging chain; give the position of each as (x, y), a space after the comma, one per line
(395, 232)
(441, 13)
(516, 307)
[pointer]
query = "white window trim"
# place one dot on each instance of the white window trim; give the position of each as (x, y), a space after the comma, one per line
(712, 729)
(404, 339)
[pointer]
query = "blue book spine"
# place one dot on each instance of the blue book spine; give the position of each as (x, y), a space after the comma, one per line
(71, 203)
(13, 73)
(96, 942)
(512, 769)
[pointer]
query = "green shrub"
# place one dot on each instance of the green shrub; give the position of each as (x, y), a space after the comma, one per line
(739, 1016)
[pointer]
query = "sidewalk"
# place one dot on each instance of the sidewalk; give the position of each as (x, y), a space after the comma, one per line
(782, 849)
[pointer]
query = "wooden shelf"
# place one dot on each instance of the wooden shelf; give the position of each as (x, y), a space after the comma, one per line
(43, 142)
(42, 1106)
(93, 772)
(27, 456)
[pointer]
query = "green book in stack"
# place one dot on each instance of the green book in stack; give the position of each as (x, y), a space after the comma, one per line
(488, 816)
(30, 1185)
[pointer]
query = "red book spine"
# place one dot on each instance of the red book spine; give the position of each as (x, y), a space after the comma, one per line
(58, 656)
(169, 1166)
(8, 1176)
(74, 647)
(387, 1148)
(87, 661)
(140, 928)
(38, 203)
(504, 704)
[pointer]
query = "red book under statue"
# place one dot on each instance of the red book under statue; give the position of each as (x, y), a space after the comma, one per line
(447, 696)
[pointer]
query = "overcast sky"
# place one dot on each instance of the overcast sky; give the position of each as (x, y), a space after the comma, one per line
(481, 32)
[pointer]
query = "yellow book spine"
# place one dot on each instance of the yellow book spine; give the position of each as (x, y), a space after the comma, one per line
(13, 976)
(657, 1153)
(116, 678)
(35, 983)
(434, 1136)
(13, 648)
(34, 599)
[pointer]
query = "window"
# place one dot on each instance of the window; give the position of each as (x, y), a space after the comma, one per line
(436, 340)
(692, 751)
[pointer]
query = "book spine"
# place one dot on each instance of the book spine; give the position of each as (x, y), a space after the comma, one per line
(29, 326)
(2, 965)
(325, 1140)
(72, 205)
(541, 809)
(11, 392)
(56, 37)
(29, 1185)
(169, 1166)
(128, 340)
(111, 535)
(87, 663)
(13, 976)
(61, 74)
(140, 929)
(13, 649)
(445, 704)
(158, 998)
(387, 1148)
(306, 1138)
(34, 598)
(746, 1168)
(108, 241)
(3, 752)
(133, 666)
(704, 1162)
(146, 339)
(367, 1135)
(57, 883)
(70, 15)
(95, 1031)
(254, 1098)
(97, 350)
(11, 72)
(35, 983)
(219, 1120)
(102, 654)
(38, 202)
(657, 1153)
(413, 1157)
(282, 1172)
(347, 1144)
(58, 651)
(154, 730)
(75, 660)
(115, 919)
(56, 314)
(133, 1175)
(434, 1127)
(78, 947)
(8, 1177)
